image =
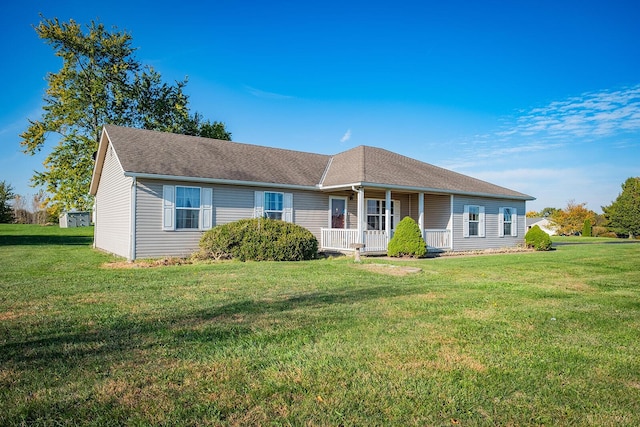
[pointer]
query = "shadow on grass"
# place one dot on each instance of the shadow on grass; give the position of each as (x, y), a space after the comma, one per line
(27, 240)
(64, 346)
(71, 347)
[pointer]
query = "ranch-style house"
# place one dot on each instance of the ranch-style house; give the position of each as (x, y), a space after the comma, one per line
(156, 193)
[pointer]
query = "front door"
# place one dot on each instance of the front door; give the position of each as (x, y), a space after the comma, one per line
(338, 212)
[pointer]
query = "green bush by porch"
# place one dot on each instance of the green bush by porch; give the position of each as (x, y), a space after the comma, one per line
(407, 240)
(259, 239)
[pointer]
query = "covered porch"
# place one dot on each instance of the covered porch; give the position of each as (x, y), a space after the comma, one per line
(368, 216)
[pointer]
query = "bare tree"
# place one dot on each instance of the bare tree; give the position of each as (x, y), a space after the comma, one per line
(21, 214)
(38, 207)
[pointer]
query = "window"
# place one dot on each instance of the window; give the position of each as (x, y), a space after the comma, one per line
(187, 208)
(473, 221)
(376, 213)
(273, 205)
(508, 218)
(506, 222)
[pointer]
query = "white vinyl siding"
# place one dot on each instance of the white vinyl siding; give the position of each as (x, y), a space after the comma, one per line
(310, 211)
(492, 240)
(229, 203)
(152, 241)
(112, 231)
(437, 211)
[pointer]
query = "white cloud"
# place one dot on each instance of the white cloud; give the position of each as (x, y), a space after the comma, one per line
(346, 136)
(581, 148)
(591, 114)
(264, 94)
(551, 132)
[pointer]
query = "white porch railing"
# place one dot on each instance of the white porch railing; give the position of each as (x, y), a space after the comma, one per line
(338, 239)
(437, 239)
(375, 241)
(341, 239)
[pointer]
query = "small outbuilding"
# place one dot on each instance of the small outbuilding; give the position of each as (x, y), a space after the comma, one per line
(75, 219)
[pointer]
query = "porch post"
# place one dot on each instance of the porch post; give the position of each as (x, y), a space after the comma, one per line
(361, 215)
(387, 213)
(421, 213)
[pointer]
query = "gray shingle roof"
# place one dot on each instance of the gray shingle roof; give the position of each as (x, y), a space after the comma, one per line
(145, 152)
(159, 153)
(373, 165)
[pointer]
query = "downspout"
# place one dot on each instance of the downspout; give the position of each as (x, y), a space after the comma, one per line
(132, 222)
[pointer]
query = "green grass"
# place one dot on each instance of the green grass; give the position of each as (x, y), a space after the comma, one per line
(582, 239)
(545, 338)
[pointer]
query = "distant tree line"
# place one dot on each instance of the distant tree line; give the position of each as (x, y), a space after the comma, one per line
(620, 219)
(18, 209)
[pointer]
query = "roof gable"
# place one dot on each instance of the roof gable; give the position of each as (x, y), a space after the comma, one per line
(371, 165)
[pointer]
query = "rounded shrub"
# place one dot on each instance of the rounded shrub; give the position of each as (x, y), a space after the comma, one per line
(259, 239)
(536, 238)
(407, 240)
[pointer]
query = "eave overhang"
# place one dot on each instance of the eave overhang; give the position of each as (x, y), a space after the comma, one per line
(219, 181)
(417, 189)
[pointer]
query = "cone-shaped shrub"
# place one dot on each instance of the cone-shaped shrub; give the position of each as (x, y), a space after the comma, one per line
(537, 239)
(407, 240)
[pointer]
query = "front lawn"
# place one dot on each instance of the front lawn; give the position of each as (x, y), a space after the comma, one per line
(544, 338)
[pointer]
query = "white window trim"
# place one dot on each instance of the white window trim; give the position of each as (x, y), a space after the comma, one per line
(481, 221)
(205, 216)
(259, 210)
(396, 212)
(346, 204)
(266, 211)
(514, 221)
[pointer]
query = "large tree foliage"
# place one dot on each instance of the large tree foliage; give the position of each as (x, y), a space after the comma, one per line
(571, 219)
(544, 213)
(100, 82)
(6, 195)
(623, 215)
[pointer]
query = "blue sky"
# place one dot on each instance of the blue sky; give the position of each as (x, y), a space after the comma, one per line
(539, 96)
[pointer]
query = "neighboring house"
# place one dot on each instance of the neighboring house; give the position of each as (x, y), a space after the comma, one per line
(544, 224)
(157, 192)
